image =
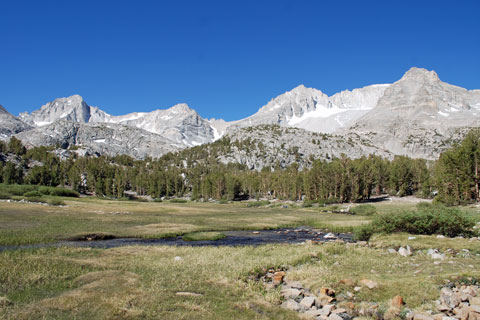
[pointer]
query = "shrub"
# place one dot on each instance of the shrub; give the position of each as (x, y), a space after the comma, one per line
(44, 190)
(178, 200)
(62, 192)
(35, 199)
(223, 201)
(17, 189)
(433, 219)
(157, 200)
(30, 194)
(364, 210)
(5, 195)
(56, 202)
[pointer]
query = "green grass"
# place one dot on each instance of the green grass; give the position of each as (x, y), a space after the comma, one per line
(199, 236)
(142, 282)
(25, 223)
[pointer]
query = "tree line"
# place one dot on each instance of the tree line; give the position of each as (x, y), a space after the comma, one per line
(455, 177)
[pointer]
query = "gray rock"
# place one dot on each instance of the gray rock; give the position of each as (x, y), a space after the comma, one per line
(291, 304)
(291, 293)
(307, 302)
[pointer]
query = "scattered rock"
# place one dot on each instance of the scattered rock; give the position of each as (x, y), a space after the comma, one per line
(5, 302)
(291, 304)
(291, 293)
(421, 316)
(334, 316)
(278, 277)
(405, 252)
(412, 238)
(440, 236)
(369, 283)
(307, 302)
(327, 292)
(397, 302)
(188, 294)
(330, 236)
(177, 258)
(391, 250)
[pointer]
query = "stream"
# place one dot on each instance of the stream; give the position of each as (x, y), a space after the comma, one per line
(233, 238)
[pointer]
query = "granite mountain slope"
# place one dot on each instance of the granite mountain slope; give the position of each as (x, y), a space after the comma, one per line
(418, 116)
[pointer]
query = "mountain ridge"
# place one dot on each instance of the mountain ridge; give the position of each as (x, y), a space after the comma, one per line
(394, 117)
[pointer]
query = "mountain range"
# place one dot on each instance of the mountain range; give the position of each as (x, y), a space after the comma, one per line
(418, 115)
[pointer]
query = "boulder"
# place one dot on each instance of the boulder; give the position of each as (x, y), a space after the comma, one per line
(291, 304)
(397, 302)
(307, 302)
(369, 283)
(291, 293)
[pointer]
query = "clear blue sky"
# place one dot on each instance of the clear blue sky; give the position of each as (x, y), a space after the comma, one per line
(224, 58)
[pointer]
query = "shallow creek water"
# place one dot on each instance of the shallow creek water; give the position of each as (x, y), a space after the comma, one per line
(233, 238)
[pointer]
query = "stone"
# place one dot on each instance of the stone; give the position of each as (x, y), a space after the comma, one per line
(356, 289)
(440, 236)
(347, 282)
(327, 309)
(291, 293)
(339, 310)
(369, 283)
(307, 302)
(438, 316)
(437, 256)
(5, 302)
(324, 300)
(475, 309)
(412, 238)
(391, 313)
(294, 284)
(313, 314)
(177, 258)
(278, 277)
(474, 301)
(334, 316)
(391, 250)
(422, 316)
(291, 304)
(397, 302)
(404, 252)
(188, 294)
(330, 236)
(327, 291)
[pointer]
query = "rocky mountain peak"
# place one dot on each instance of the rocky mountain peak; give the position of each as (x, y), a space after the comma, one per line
(420, 75)
(181, 108)
(3, 110)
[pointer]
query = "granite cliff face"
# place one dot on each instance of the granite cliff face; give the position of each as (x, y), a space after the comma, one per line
(419, 116)
(10, 125)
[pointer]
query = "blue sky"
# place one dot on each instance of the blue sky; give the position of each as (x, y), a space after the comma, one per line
(224, 58)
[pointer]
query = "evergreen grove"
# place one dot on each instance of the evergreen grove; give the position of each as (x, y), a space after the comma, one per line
(454, 178)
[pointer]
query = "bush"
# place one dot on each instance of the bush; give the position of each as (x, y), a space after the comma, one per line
(364, 210)
(30, 194)
(5, 195)
(62, 192)
(56, 202)
(17, 189)
(35, 199)
(223, 201)
(178, 200)
(433, 219)
(157, 200)
(258, 203)
(44, 190)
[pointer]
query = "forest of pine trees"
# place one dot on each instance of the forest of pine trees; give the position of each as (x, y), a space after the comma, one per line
(455, 177)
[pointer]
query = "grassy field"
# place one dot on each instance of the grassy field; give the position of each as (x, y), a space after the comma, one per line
(26, 223)
(145, 282)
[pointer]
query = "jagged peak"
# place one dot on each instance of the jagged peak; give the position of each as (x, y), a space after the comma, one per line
(3, 110)
(416, 73)
(181, 107)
